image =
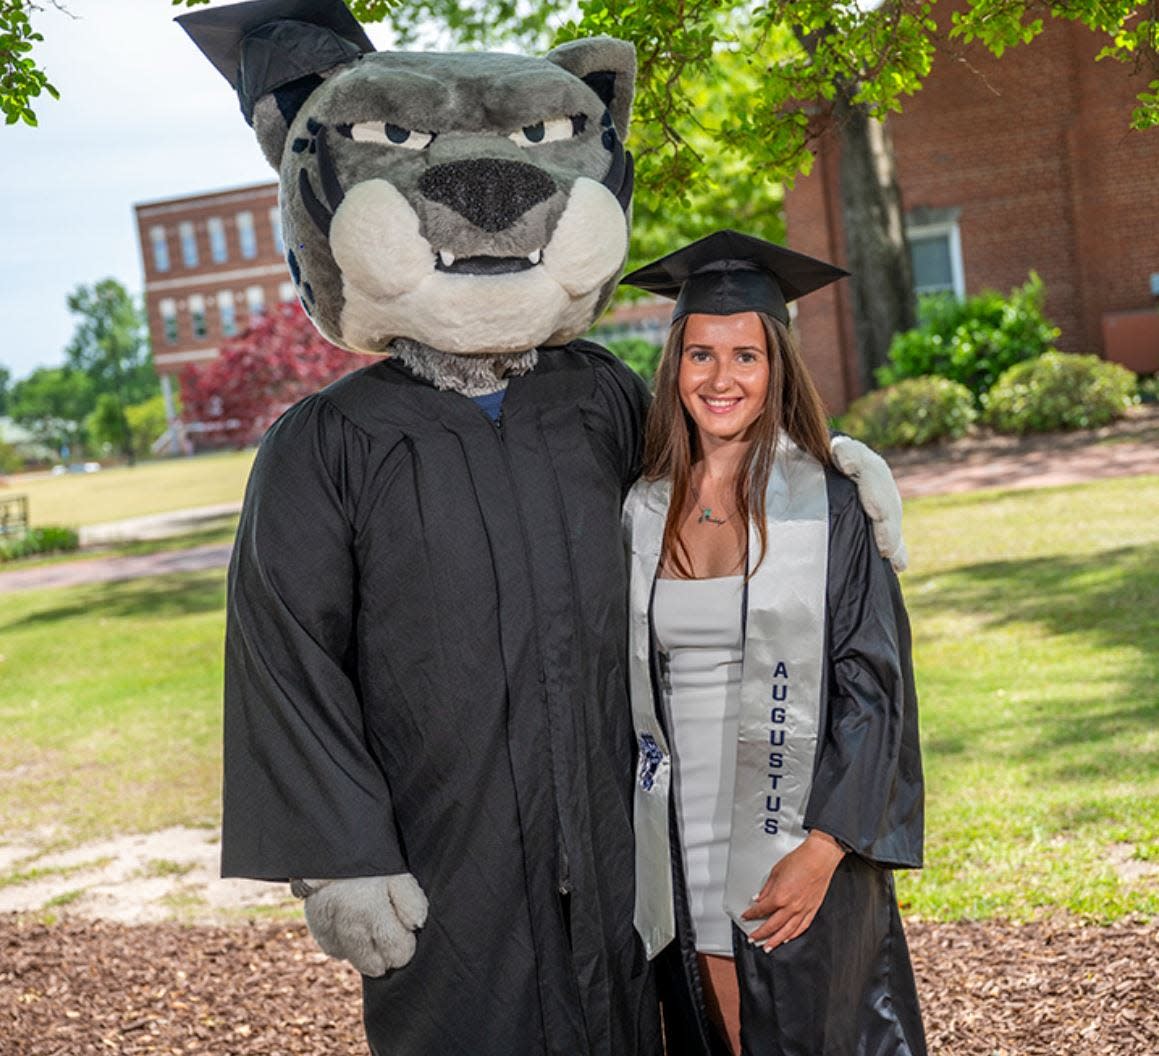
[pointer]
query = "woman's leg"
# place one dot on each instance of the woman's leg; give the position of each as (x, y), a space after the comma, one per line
(722, 996)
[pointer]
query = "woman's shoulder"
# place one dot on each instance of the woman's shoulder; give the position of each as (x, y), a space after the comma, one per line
(646, 496)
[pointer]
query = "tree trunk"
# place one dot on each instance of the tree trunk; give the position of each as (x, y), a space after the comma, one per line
(878, 254)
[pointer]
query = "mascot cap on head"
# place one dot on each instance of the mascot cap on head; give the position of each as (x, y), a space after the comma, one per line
(264, 45)
(729, 272)
(477, 203)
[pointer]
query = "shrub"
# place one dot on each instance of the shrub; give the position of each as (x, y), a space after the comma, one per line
(973, 341)
(10, 459)
(1059, 391)
(912, 412)
(147, 422)
(642, 356)
(1149, 389)
(46, 540)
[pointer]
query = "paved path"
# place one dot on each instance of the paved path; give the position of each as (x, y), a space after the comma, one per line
(1029, 469)
(112, 569)
(1002, 463)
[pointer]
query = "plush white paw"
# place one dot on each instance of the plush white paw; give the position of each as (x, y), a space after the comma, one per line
(369, 921)
(878, 494)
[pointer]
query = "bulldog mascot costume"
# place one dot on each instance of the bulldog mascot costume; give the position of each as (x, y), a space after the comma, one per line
(426, 714)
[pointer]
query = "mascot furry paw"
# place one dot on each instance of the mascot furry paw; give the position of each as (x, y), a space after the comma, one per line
(425, 698)
(368, 921)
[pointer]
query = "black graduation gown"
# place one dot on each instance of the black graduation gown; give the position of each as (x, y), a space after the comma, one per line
(845, 987)
(425, 673)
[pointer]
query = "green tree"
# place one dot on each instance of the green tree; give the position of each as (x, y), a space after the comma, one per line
(21, 79)
(109, 346)
(52, 403)
(727, 87)
(5, 385)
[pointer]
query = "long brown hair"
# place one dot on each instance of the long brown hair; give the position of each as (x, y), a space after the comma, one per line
(671, 444)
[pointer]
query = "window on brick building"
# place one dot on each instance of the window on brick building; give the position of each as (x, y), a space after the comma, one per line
(255, 300)
(276, 228)
(188, 244)
(168, 309)
(936, 252)
(227, 312)
(246, 235)
(286, 293)
(197, 316)
(218, 249)
(160, 248)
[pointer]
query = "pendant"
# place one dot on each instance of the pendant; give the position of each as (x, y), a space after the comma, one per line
(706, 517)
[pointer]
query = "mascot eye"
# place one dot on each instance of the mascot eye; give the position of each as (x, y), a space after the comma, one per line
(395, 135)
(545, 132)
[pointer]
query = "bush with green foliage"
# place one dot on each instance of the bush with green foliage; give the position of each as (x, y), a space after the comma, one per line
(1059, 391)
(47, 540)
(1149, 389)
(11, 460)
(911, 413)
(972, 341)
(642, 356)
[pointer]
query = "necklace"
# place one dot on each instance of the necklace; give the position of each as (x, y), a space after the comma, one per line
(706, 516)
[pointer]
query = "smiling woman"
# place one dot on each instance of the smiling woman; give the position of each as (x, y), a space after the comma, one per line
(724, 373)
(771, 684)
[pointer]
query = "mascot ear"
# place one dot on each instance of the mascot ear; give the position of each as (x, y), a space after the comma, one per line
(608, 67)
(275, 53)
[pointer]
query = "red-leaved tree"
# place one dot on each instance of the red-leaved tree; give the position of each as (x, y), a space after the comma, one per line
(233, 399)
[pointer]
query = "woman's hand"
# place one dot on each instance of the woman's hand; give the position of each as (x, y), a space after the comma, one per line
(794, 890)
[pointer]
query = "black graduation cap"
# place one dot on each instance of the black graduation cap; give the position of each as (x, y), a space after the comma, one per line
(264, 44)
(728, 272)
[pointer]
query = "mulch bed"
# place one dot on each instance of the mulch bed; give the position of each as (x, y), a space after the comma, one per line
(79, 987)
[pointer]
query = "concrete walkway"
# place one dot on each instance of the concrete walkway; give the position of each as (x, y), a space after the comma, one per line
(114, 569)
(1127, 449)
(1028, 469)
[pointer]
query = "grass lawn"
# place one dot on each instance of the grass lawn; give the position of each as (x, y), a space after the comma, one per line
(1036, 627)
(77, 499)
(110, 699)
(1036, 618)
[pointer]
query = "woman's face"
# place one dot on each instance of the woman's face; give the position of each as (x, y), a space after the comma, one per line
(724, 373)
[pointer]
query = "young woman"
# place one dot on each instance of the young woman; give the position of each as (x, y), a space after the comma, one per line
(779, 775)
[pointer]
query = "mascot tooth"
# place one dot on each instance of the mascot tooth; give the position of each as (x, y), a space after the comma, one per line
(425, 703)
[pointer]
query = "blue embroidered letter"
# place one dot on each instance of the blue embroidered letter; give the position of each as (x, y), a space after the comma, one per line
(650, 759)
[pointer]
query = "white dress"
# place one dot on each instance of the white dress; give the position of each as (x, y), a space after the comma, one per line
(697, 624)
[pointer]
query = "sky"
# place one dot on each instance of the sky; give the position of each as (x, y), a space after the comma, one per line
(142, 116)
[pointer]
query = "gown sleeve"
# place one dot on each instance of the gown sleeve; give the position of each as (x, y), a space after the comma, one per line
(623, 399)
(303, 794)
(867, 787)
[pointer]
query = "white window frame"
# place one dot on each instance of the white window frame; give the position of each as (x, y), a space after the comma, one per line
(247, 235)
(255, 301)
(196, 313)
(949, 229)
(169, 324)
(160, 243)
(287, 294)
(187, 235)
(227, 312)
(276, 229)
(215, 227)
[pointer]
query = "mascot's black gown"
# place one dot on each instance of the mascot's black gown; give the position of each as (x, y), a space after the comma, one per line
(424, 673)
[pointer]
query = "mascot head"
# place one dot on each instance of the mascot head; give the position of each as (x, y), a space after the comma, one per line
(477, 203)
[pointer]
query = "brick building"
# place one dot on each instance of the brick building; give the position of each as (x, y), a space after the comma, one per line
(212, 263)
(1005, 166)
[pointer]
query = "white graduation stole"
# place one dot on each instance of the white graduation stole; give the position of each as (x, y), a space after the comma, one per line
(780, 692)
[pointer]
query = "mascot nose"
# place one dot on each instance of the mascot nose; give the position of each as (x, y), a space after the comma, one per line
(489, 192)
